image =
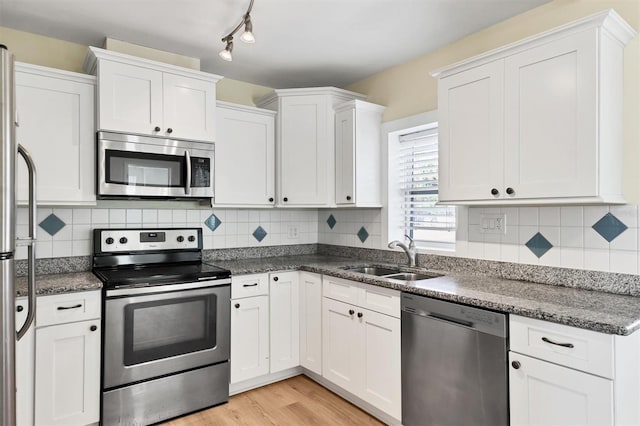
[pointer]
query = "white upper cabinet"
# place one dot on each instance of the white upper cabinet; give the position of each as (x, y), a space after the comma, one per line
(305, 144)
(358, 154)
(538, 121)
(245, 156)
(152, 98)
(56, 125)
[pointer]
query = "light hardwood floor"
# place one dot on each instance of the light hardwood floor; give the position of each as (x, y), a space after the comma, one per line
(295, 401)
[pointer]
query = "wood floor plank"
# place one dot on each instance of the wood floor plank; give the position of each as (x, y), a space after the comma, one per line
(295, 401)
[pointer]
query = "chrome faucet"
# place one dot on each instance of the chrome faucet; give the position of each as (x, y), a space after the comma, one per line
(410, 251)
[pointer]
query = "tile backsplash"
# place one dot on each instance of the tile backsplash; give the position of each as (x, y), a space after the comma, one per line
(601, 238)
(350, 227)
(66, 232)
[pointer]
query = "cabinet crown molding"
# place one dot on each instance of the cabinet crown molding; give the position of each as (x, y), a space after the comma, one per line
(608, 20)
(360, 105)
(333, 91)
(55, 73)
(245, 108)
(95, 53)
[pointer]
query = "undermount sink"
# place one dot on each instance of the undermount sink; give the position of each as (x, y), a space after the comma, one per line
(392, 273)
(373, 270)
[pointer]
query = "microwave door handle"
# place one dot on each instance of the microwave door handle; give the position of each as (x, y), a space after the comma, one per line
(187, 184)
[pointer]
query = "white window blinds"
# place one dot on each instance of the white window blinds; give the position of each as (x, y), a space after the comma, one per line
(418, 168)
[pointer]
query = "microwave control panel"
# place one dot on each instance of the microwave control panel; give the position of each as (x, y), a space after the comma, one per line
(200, 172)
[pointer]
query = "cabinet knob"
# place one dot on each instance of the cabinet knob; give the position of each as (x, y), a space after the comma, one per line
(515, 364)
(20, 308)
(275, 278)
(285, 199)
(156, 129)
(494, 191)
(93, 328)
(510, 191)
(237, 305)
(360, 314)
(348, 197)
(169, 130)
(351, 312)
(271, 199)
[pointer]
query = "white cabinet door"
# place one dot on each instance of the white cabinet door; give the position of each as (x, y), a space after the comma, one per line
(345, 157)
(545, 394)
(551, 119)
(311, 321)
(378, 350)
(284, 299)
(68, 374)
(56, 125)
(471, 135)
(249, 338)
(341, 338)
(189, 108)
(129, 98)
(25, 362)
(305, 151)
(245, 157)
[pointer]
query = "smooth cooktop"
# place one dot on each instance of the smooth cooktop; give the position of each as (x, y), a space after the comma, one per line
(159, 274)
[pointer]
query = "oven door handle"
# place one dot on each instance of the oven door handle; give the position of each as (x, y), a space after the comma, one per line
(136, 291)
(187, 183)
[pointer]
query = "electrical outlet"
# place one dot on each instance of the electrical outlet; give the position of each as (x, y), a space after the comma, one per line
(292, 231)
(493, 223)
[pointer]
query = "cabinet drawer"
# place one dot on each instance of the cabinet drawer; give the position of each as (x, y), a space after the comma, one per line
(573, 347)
(339, 289)
(69, 307)
(379, 299)
(249, 285)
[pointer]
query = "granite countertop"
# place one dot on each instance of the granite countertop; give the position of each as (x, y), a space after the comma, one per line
(588, 309)
(59, 283)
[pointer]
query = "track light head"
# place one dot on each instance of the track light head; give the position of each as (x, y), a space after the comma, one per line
(226, 52)
(247, 36)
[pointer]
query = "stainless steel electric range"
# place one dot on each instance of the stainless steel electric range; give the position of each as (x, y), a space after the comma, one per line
(166, 325)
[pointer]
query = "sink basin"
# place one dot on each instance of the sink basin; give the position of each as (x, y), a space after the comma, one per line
(409, 276)
(372, 270)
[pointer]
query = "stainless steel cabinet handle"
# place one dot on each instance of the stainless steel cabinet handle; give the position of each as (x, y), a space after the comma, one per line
(250, 285)
(564, 345)
(31, 255)
(449, 319)
(187, 184)
(64, 308)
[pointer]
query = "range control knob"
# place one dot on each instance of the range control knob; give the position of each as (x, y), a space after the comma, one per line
(191, 238)
(109, 240)
(123, 240)
(180, 238)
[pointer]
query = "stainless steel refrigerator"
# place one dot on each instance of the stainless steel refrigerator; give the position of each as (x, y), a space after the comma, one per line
(9, 150)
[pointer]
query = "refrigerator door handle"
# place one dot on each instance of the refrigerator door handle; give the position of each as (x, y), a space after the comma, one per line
(31, 255)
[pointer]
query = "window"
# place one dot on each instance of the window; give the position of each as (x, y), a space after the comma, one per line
(430, 225)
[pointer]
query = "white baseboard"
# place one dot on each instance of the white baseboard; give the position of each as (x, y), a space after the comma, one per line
(236, 388)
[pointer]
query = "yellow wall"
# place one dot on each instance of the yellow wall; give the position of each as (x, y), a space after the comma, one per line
(65, 55)
(408, 89)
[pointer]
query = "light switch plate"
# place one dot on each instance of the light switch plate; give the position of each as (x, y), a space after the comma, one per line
(493, 223)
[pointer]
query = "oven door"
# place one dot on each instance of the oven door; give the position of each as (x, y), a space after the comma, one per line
(138, 166)
(173, 328)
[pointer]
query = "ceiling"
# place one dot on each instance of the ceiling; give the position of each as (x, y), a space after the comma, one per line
(298, 42)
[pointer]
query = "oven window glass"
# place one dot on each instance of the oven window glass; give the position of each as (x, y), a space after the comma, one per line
(165, 328)
(144, 169)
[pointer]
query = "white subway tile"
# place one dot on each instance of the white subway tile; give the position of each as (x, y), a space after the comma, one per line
(232, 241)
(81, 216)
(593, 240)
(596, 260)
(23, 216)
(205, 213)
(193, 216)
(81, 232)
(64, 234)
(572, 257)
(549, 216)
(551, 233)
(179, 216)
(492, 251)
(551, 258)
(528, 216)
(475, 249)
(44, 249)
(65, 214)
(525, 233)
(231, 216)
(527, 256)
(510, 253)
(134, 216)
(43, 212)
(150, 217)
(475, 214)
(242, 216)
(99, 216)
(117, 216)
(625, 262)
(511, 236)
(627, 240)
(254, 216)
(62, 248)
(592, 214)
(571, 237)
(21, 252)
(165, 216)
(627, 214)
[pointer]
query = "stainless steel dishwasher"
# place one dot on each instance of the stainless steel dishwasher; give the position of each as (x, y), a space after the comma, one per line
(454, 364)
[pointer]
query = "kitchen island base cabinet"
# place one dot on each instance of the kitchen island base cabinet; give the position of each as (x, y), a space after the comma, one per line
(284, 314)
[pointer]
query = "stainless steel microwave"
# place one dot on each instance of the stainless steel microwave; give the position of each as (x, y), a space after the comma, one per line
(132, 166)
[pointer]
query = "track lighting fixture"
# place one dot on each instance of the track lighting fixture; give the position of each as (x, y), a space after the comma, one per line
(247, 36)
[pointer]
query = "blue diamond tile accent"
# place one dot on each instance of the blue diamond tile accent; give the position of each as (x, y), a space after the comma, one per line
(259, 233)
(363, 234)
(212, 222)
(331, 221)
(539, 245)
(52, 224)
(609, 227)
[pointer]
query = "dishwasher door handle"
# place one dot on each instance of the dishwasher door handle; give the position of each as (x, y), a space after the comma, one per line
(450, 319)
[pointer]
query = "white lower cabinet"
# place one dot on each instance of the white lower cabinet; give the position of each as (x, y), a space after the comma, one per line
(546, 394)
(284, 314)
(311, 321)
(249, 338)
(361, 351)
(67, 366)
